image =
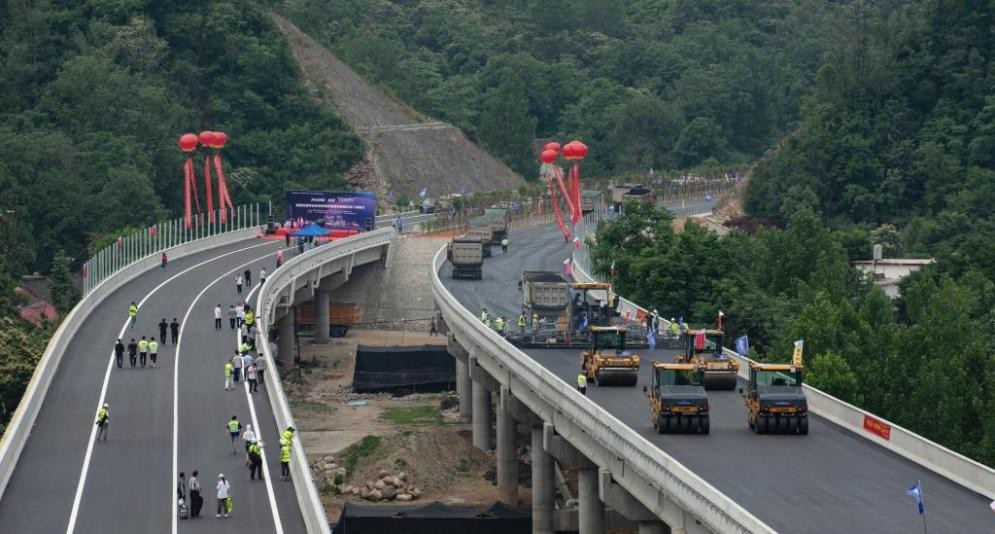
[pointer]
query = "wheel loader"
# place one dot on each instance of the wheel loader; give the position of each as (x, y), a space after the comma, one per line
(775, 402)
(609, 362)
(704, 347)
(678, 402)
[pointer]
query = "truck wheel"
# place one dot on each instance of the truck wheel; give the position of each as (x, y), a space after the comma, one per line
(703, 424)
(803, 425)
(659, 424)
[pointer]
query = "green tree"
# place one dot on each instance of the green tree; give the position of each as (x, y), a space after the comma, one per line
(64, 293)
(506, 128)
(699, 140)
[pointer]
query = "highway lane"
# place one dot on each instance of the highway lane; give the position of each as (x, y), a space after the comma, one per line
(129, 485)
(828, 481)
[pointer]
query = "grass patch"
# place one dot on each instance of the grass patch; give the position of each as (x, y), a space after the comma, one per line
(366, 446)
(310, 406)
(416, 415)
(462, 469)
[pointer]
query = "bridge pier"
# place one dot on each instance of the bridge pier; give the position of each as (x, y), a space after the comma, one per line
(615, 497)
(321, 303)
(542, 485)
(481, 424)
(507, 462)
(464, 389)
(653, 527)
(590, 510)
(285, 350)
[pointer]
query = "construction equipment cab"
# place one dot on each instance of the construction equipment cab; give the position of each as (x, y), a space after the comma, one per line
(775, 402)
(678, 402)
(609, 362)
(704, 347)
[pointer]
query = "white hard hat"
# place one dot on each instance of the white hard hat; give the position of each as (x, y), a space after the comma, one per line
(107, 405)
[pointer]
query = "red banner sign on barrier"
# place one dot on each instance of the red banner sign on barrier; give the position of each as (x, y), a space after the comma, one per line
(875, 426)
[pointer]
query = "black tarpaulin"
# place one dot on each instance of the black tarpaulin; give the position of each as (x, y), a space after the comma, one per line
(432, 518)
(421, 368)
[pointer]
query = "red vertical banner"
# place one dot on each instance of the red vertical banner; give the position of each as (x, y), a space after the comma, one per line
(207, 188)
(187, 182)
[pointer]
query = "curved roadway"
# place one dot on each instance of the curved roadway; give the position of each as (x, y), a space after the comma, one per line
(828, 481)
(176, 412)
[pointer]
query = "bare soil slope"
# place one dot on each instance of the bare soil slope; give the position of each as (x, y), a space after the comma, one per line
(408, 151)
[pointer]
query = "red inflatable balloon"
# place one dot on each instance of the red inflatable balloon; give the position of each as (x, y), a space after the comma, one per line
(580, 150)
(548, 156)
(207, 138)
(554, 146)
(220, 139)
(188, 142)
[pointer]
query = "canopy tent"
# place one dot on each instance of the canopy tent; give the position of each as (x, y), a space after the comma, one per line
(311, 230)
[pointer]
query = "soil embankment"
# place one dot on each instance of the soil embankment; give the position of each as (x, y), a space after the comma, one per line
(407, 151)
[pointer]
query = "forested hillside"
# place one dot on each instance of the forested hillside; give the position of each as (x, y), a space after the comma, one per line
(645, 83)
(895, 146)
(94, 94)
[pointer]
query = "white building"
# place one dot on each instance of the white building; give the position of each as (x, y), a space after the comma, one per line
(888, 272)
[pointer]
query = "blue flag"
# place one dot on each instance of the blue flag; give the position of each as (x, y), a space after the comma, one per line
(708, 198)
(680, 322)
(916, 493)
(390, 196)
(424, 193)
(742, 346)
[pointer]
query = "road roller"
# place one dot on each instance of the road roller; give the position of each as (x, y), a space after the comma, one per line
(609, 362)
(704, 348)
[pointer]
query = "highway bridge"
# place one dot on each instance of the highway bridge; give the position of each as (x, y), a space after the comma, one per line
(171, 418)
(829, 481)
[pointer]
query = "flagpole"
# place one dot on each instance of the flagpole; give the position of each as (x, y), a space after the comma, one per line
(922, 499)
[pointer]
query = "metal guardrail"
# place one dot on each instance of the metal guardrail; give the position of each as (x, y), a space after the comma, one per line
(23, 421)
(161, 237)
(266, 303)
(714, 509)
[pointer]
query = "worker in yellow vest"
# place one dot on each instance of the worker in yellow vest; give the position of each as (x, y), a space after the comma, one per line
(153, 351)
(143, 351)
(234, 429)
(229, 375)
(582, 383)
(103, 422)
(250, 318)
(133, 314)
(285, 460)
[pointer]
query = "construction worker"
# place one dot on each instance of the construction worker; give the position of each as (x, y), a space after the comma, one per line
(119, 353)
(250, 318)
(499, 324)
(244, 348)
(234, 429)
(133, 314)
(103, 422)
(255, 453)
(229, 375)
(484, 316)
(535, 320)
(504, 246)
(521, 322)
(673, 328)
(153, 350)
(284, 460)
(288, 435)
(582, 383)
(143, 350)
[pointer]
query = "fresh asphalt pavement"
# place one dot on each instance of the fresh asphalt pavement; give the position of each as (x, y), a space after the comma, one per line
(130, 483)
(828, 481)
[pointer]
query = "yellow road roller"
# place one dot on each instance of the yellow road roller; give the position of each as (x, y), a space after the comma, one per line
(609, 362)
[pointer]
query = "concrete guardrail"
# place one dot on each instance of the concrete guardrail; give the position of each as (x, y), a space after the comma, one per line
(711, 507)
(929, 454)
(266, 303)
(23, 421)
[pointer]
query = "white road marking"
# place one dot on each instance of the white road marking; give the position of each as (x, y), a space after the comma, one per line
(176, 402)
(107, 376)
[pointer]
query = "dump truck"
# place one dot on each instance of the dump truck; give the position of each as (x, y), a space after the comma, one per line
(341, 316)
(545, 294)
(609, 362)
(590, 199)
(486, 236)
(704, 347)
(466, 254)
(498, 219)
(678, 402)
(775, 401)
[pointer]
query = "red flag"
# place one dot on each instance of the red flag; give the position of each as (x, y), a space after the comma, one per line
(85, 269)
(120, 242)
(153, 230)
(699, 340)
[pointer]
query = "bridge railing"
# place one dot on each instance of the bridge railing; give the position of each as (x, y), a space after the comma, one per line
(714, 509)
(161, 237)
(266, 304)
(968, 473)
